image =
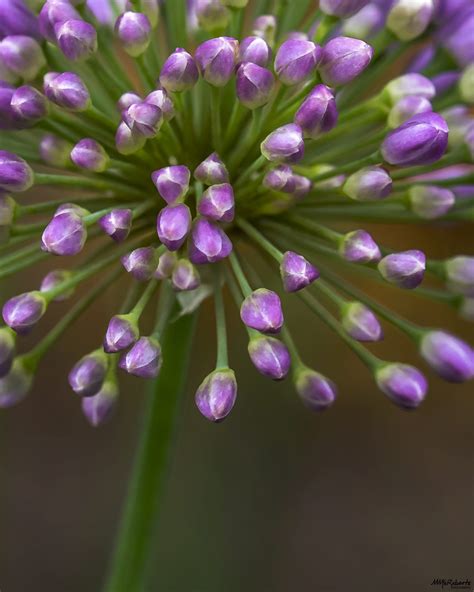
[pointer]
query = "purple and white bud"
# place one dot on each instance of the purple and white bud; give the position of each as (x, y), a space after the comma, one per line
(179, 72)
(16, 18)
(144, 359)
(185, 276)
(89, 155)
(55, 151)
(303, 186)
(15, 385)
(53, 279)
(265, 26)
(15, 173)
(52, 14)
(212, 171)
(296, 60)
(261, 310)
(408, 19)
(160, 99)
(217, 203)
(256, 50)
(270, 356)
(318, 112)
(99, 408)
(122, 333)
(405, 269)
(315, 390)
(21, 313)
(409, 85)
(172, 182)
(22, 56)
(88, 375)
(126, 100)
(285, 144)
(342, 8)
(28, 105)
(281, 178)
(141, 263)
(421, 140)
(77, 39)
(360, 322)
(117, 224)
(405, 385)
(208, 243)
(134, 31)
(460, 275)
(254, 85)
(212, 15)
(368, 184)
(7, 350)
(364, 23)
(359, 247)
(448, 356)
(166, 263)
(216, 59)
(406, 108)
(128, 141)
(66, 234)
(71, 208)
(343, 59)
(216, 395)
(429, 201)
(144, 119)
(173, 225)
(67, 91)
(297, 272)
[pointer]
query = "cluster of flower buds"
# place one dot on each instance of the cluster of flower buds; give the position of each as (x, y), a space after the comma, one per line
(253, 146)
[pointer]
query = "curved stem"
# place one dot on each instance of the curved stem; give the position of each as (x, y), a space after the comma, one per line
(135, 538)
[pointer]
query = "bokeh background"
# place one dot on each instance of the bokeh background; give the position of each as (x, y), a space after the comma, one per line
(362, 497)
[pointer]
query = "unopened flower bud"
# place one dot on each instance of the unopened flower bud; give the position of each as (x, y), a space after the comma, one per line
(212, 171)
(285, 144)
(261, 310)
(22, 312)
(365, 22)
(77, 39)
(173, 225)
(406, 108)
(216, 59)
(128, 141)
(303, 186)
(172, 182)
(409, 85)
(343, 59)
(368, 184)
(429, 201)
(360, 322)
(179, 72)
(66, 234)
(134, 31)
(297, 272)
(55, 151)
(254, 85)
(264, 26)
(460, 275)
(141, 263)
(281, 178)
(53, 279)
(208, 243)
(217, 203)
(15, 173)
(216, 395)
(99, 408)
(403, 384)
(342, 8)
(7, 117)
(144, 359)
(122, 332)
(296, 60)
(117, 224)
(144, 118)
(160, 99)
(28, 105)
(270, 356)
(318, 112)
(126, 100)
(405, 269)
(88, 374)
(256, 50)
(15, 385)
(89, 155)
(185, 276)
(7, 350)
(22, 56)
(52, 14)
(166, 263)
(448, 356)
(315, 390)
(67, 91)
(408, 19)
(212, 15)
(359, 247)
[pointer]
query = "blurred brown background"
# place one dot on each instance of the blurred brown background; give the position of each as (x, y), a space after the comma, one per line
(363, 497)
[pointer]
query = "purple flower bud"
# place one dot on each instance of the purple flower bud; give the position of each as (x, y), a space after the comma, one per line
(15, 173)
(89, 155)
(303, 186)
(264, 26)
(53, 13)
(296, 60)
(55, 151)
(368, 184)
(359, 247)
(117, 224)
(144, 119)
(7, 117)
(160, 99)
(212, 171)
(144, 359)
(179, 72)
(208, 243)
(67, 91)
(173, 225)
(88, 375)
(217, 203)
(445, 81)
(406, 108)
(458, 119)
(460, 275)
(66, 234)
(15, 385)
(409, 85)
(7, 350)
(254, 85)
(185, 276)
(429, 201)
(285, 144)
(360, 322)
(342, 8)
(270, 356)
(122, 332)
(22, 56)
(281, 178)
(448, 356)
(315, 390)
(76, 39)
(216, 395)
(318, 112)
(343, 59)
(403, 384)
(405, 269)
(17, 19)
(364, 23)
(28, 105)
(261, 310)
(212, 15)
(297, 272)
(216, 59)
(423, 139)
(256, 50)
(128, 141)
(22, 312)
(166, 263)
(141, 263)
(408, 19)
(71, 208)
(134, 31)
(99, 408)
(126, 100)
(172, 182)
(53, 279)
